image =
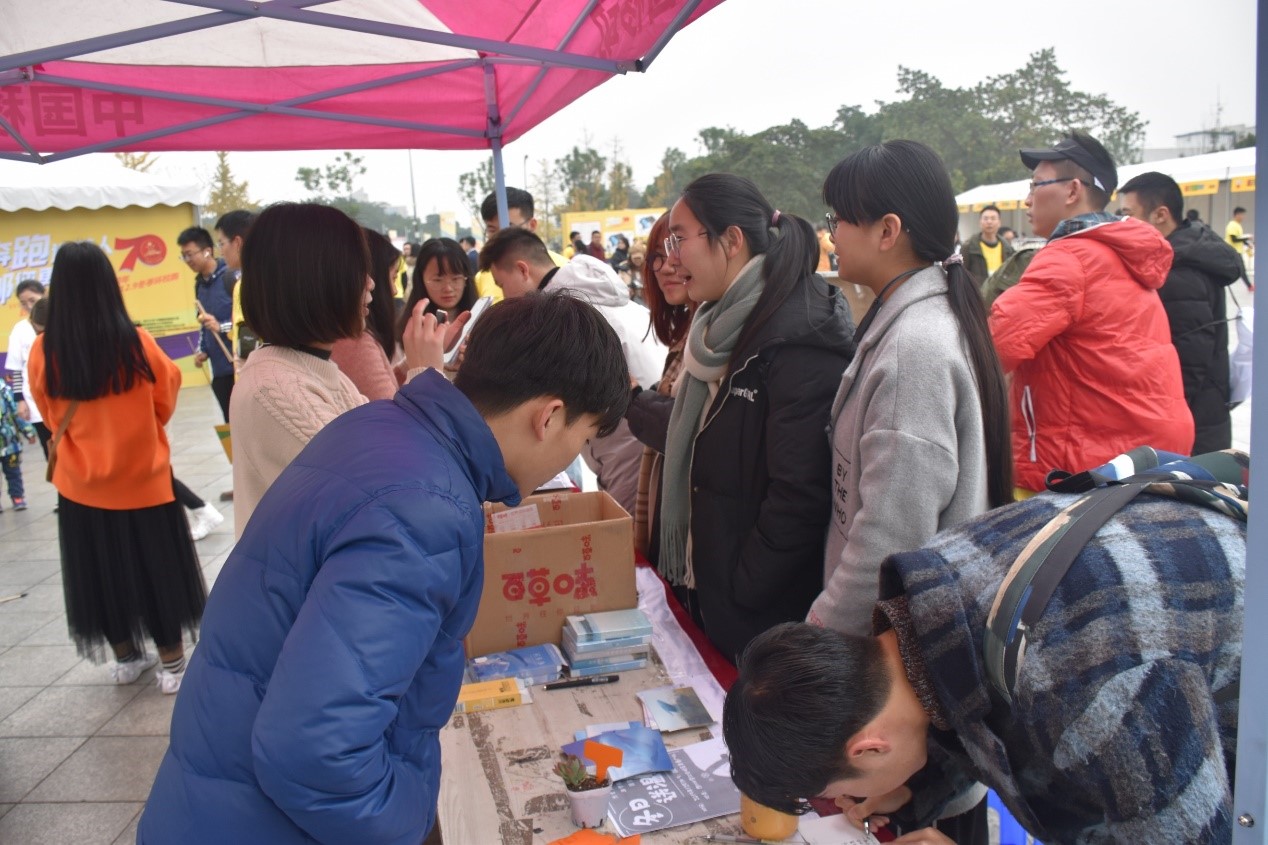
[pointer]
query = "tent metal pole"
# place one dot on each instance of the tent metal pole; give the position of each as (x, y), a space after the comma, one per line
(1250, 802)
(541, 74)
(249, 109)
(679, 21)
(17, 136)
(88, 46)
(495, 144)
(413, 33)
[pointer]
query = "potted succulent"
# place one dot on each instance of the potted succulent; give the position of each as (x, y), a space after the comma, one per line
(587, 795)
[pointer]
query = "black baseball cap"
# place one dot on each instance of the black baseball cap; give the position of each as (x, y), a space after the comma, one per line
(1072, 148)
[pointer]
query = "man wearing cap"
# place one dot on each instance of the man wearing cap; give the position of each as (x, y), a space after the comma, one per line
(1084, 333)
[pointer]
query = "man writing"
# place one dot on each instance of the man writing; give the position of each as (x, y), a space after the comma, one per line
(1193, 297)
(331, 649)
(213, 291)
(986, 251)
(1122, 724)
(1083, 333)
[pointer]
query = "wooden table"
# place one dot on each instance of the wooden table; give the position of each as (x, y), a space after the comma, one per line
(498, 784)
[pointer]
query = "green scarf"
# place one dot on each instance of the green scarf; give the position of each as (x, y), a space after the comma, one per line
(714, 333)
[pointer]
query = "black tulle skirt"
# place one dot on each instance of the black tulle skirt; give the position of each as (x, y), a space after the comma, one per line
(128, 575)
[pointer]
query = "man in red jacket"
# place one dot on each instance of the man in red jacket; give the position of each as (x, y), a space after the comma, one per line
(1084, 333)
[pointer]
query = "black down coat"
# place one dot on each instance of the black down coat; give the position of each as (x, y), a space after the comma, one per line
(761, 471)
(1193, 297)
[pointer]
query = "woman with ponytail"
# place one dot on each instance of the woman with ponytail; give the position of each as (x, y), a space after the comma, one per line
(920, 434)
(745, 494)
(920, 423)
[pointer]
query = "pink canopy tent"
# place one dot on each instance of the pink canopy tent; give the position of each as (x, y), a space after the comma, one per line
(82, 76)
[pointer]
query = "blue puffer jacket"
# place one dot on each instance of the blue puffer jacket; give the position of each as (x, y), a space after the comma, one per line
(331, 649)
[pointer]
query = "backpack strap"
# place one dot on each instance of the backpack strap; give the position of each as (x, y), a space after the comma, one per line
(1033, 578)
(1216, 480)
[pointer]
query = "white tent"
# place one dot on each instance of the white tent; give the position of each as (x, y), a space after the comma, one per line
(1222, 166)
(87, 183)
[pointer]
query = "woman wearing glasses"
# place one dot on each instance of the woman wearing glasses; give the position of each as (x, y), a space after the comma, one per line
(443, 276)
(745, 494)
(648, 413)
(920, 425)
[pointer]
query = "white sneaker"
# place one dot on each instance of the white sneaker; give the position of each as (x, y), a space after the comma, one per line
(203, 520)
(168, 683)
(126, 673)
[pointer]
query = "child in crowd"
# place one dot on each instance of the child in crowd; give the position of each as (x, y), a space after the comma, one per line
(12, 429)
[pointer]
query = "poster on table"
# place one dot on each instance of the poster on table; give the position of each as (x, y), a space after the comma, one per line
(158, 287)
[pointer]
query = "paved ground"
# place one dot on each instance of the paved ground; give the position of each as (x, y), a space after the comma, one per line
(77, 753)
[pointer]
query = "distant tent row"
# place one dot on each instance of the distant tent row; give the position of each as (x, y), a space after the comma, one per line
(1214, 184)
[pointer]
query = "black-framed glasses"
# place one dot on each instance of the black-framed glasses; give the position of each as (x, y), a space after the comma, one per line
(673, 243)
(656, 261)
(1034, 186)
(832, 221)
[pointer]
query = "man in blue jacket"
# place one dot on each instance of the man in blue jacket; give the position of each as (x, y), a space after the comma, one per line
(331, 650)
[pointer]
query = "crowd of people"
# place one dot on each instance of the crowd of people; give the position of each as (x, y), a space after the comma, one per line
(835, 505)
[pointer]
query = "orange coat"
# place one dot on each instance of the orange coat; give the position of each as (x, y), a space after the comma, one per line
(1088, 344)
(115, 455)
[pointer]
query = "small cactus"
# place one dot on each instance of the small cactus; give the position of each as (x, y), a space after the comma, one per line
(572, 770)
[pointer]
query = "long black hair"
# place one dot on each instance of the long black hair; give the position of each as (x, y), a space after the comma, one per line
(451, 259)
(90, 344)
(382, 317)
(722, 200)
(908, 179)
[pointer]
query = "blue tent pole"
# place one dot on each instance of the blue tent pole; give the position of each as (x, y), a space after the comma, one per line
(495, 144)
(1250, 803)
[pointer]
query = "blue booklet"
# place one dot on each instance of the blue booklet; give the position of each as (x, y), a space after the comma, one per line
(643, 749)
(608, 625)
(534, 664)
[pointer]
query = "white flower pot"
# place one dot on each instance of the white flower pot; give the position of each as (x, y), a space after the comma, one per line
(590, 808)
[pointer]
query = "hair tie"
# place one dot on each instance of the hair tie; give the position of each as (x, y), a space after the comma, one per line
(774, 218)
(953, 258)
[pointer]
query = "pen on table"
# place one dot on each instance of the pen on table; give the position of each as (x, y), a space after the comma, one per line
(584, 682)
(867, 826)
(726, 837)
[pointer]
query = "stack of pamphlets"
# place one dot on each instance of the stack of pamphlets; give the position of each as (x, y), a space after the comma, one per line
(534, 664)
(607, 642)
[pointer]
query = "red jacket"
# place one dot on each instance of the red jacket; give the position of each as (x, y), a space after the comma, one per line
(1086, 339)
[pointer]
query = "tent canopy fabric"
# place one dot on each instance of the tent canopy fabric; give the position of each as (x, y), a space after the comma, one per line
(85, 183)
(1221, 166)
(79, 76)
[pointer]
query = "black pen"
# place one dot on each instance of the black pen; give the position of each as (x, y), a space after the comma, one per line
(585, 682)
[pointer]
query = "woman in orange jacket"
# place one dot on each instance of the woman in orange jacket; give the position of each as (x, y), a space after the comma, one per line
(106, 390)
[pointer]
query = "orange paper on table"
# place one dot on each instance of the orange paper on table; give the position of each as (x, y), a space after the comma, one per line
(604, 757)
(590, 836)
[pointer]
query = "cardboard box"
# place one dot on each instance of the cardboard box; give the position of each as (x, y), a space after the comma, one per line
(580, 560)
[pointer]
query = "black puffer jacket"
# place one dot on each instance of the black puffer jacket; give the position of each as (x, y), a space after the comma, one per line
(761, 468)
(1193, 297)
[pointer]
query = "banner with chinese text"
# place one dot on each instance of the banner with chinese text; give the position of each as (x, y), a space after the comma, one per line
(158, 287)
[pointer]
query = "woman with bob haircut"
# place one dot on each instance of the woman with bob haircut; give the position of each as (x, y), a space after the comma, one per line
(367, 359)
(745, 492)
(920, 432)
(308, 285)
(106, 389)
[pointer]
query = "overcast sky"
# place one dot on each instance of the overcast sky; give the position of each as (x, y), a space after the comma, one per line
(756, 63)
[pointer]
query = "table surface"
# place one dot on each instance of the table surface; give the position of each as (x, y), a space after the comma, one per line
(498, 785)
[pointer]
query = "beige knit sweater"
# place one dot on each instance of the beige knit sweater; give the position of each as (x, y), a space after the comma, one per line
(282, 398)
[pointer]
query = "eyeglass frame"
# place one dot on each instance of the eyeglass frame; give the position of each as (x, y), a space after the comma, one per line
(656, 261)
(673, 243)
(1034, 186)
(188, 258)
